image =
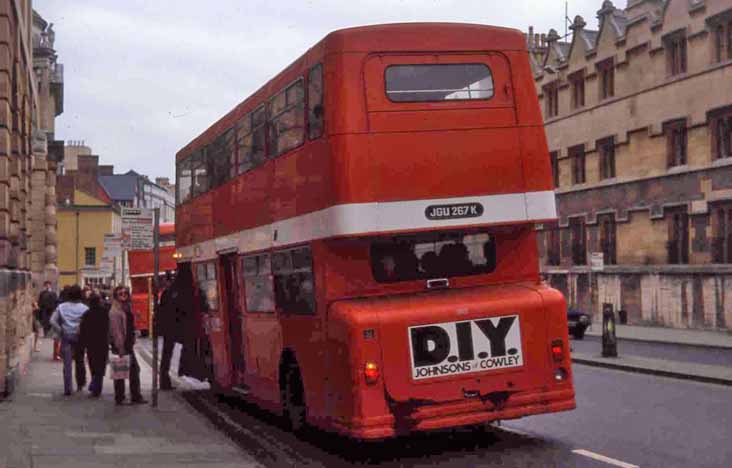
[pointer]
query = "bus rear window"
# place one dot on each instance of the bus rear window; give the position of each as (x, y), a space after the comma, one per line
(438, 82)
(433, 255)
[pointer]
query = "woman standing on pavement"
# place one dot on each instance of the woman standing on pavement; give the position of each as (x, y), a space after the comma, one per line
(66, 321)
(94, 337)
(122, 335)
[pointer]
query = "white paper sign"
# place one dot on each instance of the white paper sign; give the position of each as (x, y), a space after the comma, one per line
(137, 228)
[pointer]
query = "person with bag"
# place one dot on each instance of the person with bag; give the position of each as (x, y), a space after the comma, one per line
(94, 338)
(66, 321)
(122, 337)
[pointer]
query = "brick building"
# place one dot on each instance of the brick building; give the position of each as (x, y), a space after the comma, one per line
(638, 118)
(30, 98)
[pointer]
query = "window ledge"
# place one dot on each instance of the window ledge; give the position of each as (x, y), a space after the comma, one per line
(722, 162)
(679, 168)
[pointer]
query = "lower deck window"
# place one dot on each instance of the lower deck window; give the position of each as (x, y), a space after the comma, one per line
(206, 278)
(293, 281)
(258, 283)
(433, 255)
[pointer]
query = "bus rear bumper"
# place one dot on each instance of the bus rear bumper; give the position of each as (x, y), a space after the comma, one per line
(461, 413)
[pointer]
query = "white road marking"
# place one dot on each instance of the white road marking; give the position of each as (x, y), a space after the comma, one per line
(603, 458)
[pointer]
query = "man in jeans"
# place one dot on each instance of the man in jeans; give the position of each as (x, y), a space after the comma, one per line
(122, 334)
(66, 321)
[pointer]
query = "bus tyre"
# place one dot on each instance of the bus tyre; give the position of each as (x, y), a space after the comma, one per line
(293, 399)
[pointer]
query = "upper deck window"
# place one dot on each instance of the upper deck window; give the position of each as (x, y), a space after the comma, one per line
(184, 180)
(286, 112)
(251, 134)
(433, 255)
(438, 82)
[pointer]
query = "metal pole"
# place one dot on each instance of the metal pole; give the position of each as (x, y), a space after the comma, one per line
(122, 280)
(156, 256)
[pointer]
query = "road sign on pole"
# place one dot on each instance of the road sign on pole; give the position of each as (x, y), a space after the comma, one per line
(137, 228)
(156, 305)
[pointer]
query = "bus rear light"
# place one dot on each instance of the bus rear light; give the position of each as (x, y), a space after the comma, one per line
(371, 372)
(560, 375)
(557, 350)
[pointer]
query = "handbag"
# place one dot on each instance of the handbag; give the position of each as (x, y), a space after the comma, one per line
(119, 367)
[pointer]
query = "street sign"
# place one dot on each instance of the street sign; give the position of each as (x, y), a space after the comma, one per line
(597, 261)
(137, 228)
(112, 245)
(106, 266)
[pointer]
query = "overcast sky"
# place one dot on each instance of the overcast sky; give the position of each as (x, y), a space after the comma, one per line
(144, 77)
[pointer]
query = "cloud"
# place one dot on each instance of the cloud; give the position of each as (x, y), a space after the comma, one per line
(143, 78)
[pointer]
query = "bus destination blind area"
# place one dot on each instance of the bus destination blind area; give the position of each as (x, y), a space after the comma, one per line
(454, 348)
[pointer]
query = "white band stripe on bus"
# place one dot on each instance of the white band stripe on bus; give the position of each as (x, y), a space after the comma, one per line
(365, 218)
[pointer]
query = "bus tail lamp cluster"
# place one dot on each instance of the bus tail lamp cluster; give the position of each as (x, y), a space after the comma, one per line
(371, 372)
(557, 350)
(560, 374)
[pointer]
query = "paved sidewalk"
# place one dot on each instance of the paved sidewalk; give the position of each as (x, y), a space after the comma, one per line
(663, 367)
(42, 428)
(705, 338)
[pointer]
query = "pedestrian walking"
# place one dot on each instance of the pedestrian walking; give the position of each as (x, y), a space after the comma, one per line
(86, 293)
(47, 302)
(122, 336)
(167, 325)
(37, 326)
(66, 321)
(94, 338)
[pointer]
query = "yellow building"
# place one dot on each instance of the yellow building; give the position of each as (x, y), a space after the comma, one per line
(82, 224)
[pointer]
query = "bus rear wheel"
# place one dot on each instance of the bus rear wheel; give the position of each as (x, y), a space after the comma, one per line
(293, 399)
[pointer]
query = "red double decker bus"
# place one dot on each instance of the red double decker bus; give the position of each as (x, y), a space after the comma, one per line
(360, 234)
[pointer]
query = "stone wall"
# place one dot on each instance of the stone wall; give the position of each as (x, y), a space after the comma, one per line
(680, 297)
(17, 107)
(658, 207)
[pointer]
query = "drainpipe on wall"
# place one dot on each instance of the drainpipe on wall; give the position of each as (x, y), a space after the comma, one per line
(77, 246)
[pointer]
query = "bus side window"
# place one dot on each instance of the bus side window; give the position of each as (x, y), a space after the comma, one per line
(286, 114)
(200, 173)
(184, 180)
(258, 283)
(207, 286)
(315, 102)
(293, 279)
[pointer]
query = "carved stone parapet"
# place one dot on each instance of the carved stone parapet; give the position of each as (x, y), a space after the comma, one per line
(51, 254)
(51, 235)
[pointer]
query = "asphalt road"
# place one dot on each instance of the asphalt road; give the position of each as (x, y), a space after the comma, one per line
(674, 352)
(623, 419)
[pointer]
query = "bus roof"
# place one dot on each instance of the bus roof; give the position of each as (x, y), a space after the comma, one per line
(396, 37)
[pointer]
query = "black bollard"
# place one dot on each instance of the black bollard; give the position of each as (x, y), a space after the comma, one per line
(609, 341)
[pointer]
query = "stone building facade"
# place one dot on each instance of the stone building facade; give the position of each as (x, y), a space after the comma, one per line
(47, 153)
(638, 119)
(27, 197)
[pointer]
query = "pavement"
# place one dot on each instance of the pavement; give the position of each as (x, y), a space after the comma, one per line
(667, 366)
(42, 428)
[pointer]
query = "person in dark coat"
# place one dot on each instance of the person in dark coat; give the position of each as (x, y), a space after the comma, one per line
(47, 302)
(167, 325)
(94, 338)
